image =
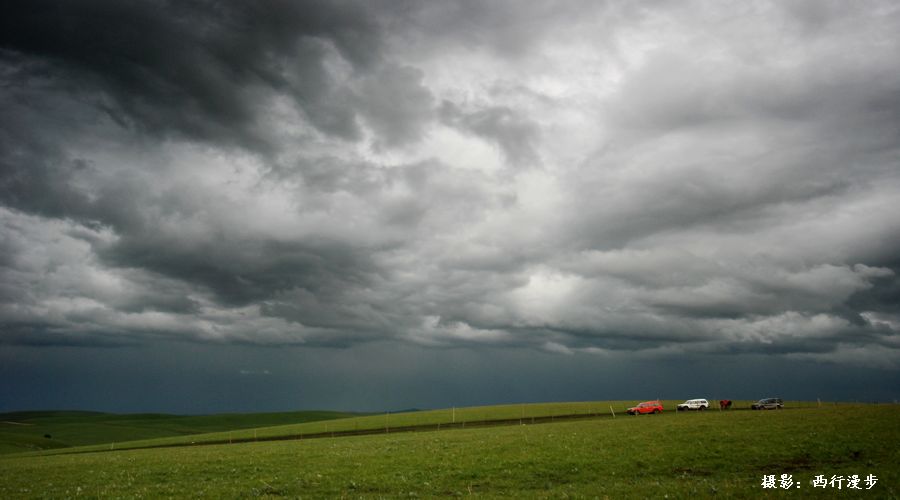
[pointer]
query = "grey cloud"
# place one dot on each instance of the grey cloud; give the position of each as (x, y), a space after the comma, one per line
(199, 171)
(882, 297)
(815, 18)
(338, 275)
(766, 290)
(509, 30)
(797, 84)
(396, 104)
(513, 133)
(738, 142)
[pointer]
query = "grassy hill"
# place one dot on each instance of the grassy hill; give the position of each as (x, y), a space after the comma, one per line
(384, 422)
(27, 431)
(397, 422)
(676, 455)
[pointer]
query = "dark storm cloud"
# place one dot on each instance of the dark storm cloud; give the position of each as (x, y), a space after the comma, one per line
(36, 174)
(240, 272)
(195, 68)
(330, 174)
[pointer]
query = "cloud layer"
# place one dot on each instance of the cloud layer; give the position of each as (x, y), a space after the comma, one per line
(595, 177)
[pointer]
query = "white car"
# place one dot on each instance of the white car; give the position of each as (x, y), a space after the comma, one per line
(694, 404)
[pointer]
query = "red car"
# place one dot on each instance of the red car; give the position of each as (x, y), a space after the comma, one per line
(646, 407)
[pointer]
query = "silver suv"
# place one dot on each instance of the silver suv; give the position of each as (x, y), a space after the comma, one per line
(768, 404)
(693, 404)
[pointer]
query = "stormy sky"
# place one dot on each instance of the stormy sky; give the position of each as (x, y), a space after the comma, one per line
(240, 206)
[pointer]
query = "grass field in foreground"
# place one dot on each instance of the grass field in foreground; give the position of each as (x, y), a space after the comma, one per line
(27, 431)
(682, 456)
(525, 413)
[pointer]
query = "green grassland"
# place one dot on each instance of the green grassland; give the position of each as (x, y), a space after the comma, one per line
(684, 455)
(397, 422)
(133, 431)
(23, 431)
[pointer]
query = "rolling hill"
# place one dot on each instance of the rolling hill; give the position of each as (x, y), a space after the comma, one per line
(48, 430)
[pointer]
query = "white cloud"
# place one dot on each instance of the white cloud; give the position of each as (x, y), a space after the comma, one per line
(557, 348)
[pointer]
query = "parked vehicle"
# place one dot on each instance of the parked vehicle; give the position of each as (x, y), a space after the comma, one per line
(646, 407)
(693, 404)
(768, 404)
